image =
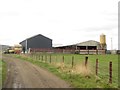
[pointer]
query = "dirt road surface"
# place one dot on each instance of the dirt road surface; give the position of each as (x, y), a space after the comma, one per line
(23, 74)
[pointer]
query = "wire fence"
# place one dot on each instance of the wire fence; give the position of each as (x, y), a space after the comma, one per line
(98, 65)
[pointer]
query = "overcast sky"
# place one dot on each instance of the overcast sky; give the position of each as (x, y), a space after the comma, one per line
(64, 21)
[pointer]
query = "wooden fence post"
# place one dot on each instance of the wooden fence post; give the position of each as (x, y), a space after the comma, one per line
(42, 57)
(32, 55)
(45, 58)
(50, 58)
(86, 61)
(56, 58)
(36, 57)
(72, 61)
(39, 57)
(63, 59)
(110, 72)
(96, 66)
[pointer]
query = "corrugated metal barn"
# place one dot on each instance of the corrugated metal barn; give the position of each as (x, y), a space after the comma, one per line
(37, 42)
(87, 47)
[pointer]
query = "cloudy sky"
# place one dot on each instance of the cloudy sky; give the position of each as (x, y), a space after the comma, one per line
(64, 21)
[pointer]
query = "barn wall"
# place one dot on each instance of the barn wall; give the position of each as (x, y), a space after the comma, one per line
(38, 41)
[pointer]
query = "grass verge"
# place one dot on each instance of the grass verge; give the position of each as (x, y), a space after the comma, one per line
(0, 74)
(3, 71)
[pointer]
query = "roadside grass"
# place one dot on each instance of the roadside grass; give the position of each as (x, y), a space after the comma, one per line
(0, 74)
(78, 76)
(3, 71)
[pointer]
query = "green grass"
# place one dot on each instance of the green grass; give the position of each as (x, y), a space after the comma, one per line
(0, 73)
(3, 71)
(79, 80)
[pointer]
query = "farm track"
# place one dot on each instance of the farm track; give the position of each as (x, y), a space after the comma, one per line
(23, 74)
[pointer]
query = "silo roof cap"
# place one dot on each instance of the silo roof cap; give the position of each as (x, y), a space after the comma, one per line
(102, 34)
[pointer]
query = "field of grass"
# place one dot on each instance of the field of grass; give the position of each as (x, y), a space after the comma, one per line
(78, 75)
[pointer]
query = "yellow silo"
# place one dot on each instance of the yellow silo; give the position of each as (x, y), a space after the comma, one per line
(102, 39)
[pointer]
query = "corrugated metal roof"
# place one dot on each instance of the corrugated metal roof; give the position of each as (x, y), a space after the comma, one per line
(35, 36)
(88, 43)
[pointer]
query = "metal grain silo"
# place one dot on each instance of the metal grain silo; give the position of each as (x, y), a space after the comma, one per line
(103, 41)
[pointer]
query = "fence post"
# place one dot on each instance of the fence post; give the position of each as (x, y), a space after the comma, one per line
(36, 57)
(39, 57)
(32, 56)
(45, 58)
(63, 59)
(50, 58)
(56, 58)
(86, 61)
(96, 66)
(72, 61)
(110, 72)
(42, 57)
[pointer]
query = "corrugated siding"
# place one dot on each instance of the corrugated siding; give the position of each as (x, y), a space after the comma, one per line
(89, 43)
(38, 41)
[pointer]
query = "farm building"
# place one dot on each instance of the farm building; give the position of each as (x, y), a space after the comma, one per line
(87, 47)
(37, 42)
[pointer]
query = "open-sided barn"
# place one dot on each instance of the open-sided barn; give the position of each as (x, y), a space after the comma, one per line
(87, 47)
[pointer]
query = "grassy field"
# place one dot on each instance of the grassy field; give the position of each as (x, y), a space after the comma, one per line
(79, 76)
